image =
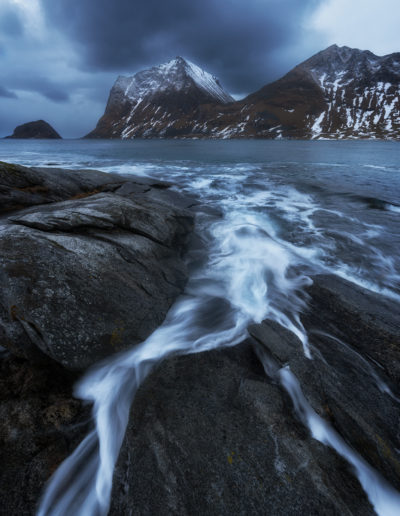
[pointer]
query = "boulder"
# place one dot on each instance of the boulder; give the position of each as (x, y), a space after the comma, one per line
(211, 434)
(351, 380)
(93, 275)
(40, 425)
(21, 187)
(366, 320)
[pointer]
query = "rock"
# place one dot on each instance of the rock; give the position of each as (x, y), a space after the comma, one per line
(90, 276)
(22, 187)
(40, 425)
(367, 321)
(349, 330)
(38, 130)
(210, 434)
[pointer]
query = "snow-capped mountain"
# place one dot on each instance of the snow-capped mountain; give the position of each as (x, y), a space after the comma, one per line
(165, 100)
(338, 93)
(361, 92)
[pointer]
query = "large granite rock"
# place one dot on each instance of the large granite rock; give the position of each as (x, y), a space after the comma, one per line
(213, 434)
(368, 321)
(90, 263)
(210, 434)
(90, 276)
(21, 187)
(352, 379)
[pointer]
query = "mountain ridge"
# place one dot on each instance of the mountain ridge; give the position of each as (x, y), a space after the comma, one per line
(340, 92)
(147, 103)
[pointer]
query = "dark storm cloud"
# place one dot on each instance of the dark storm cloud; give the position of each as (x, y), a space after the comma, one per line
(234, 38)
(4, 92)
(53, 93)
(39, 84)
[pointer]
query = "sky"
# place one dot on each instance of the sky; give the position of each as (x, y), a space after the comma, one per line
(59, 58)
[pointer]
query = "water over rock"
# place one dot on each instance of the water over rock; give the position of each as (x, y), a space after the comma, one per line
(352, 378)
(211, 434)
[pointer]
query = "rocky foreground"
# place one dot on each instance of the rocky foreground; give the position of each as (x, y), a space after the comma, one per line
(90, 264)
(213, 434)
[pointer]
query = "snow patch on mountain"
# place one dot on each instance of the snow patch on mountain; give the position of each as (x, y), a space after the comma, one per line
(208, 83)
(175, 75)
(361, 91)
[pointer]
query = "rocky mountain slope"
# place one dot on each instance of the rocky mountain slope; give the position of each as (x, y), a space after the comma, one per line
(338, 93)
(38, 130)
(166, 100)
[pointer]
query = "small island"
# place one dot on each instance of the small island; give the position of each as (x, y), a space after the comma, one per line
(39, 130)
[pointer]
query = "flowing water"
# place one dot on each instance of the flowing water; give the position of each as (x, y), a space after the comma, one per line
(270, 215)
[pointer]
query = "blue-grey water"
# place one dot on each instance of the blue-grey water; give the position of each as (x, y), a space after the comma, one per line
(340, 198)
(282, 211)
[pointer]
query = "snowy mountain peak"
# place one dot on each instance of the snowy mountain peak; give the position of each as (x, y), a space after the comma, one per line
(177, 75)
(358, 90)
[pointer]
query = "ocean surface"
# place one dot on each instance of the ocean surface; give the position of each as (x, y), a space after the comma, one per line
(338, 201)
(270, 215)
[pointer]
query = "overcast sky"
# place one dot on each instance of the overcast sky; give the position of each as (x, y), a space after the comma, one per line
(59, 58)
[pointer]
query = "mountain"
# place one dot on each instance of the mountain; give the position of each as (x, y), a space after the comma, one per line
(166, 100)
(38, 130)
(338, 93)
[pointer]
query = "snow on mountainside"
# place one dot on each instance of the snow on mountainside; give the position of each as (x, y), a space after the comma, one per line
(156, 101)
(174, 75)
(361, 91)
(338, 93)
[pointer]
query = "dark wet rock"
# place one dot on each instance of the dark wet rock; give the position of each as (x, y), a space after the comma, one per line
(366, 320)
(90, 264)
(349, 330)
(93, 275)
(21, 187)
(40, 425)
(211, 434)
(37, 130)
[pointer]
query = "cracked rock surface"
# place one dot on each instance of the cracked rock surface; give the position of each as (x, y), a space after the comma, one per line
(89, 265)
(92, 275)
